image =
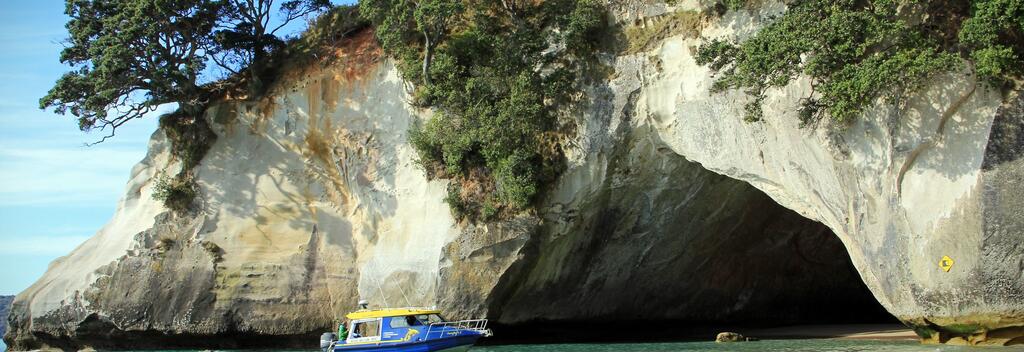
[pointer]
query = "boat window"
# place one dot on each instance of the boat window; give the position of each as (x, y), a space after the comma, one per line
(365, 330)
(412, 321)
(430, 319)
(398, 322)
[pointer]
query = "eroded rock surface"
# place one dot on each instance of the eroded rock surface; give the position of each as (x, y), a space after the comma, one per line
(5, 306)
(644, 234)
(902, 187)
(671, 207)
(305, 196)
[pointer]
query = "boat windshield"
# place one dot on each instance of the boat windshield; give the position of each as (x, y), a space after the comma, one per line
(428, 319)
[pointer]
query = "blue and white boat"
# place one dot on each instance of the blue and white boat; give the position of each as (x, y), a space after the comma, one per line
(404, 329)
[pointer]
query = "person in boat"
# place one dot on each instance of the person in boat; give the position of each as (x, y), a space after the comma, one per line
(342, 330)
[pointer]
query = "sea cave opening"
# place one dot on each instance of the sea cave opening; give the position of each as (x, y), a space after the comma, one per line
(637, 273)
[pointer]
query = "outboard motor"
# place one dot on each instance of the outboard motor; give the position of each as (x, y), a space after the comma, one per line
(327, 340)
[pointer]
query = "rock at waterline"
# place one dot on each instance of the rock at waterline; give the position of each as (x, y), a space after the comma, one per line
(732, 337)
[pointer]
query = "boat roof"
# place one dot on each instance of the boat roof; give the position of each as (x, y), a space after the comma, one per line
(390, 312)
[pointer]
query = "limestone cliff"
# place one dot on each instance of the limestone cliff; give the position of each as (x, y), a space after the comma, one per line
(5, 306)
(671, 208)
(304, 197)
(902, 187)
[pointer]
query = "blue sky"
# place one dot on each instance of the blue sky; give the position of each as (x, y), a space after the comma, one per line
(54, 191)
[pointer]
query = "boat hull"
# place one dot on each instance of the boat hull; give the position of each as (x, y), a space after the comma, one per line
(453, 344)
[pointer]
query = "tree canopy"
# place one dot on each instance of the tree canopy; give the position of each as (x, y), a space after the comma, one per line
(496, 74)
(130, 56)
(858, 51)
(247, 30)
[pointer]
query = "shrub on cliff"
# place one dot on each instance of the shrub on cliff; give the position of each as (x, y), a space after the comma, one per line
(190, 137)
(177, 193)
(496, 74)
(857, 51)
(994, 38)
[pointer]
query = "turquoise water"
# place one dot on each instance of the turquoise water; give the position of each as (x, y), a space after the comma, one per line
(816, 345)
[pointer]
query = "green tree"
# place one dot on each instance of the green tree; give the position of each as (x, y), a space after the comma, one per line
(247, 31)
(995, 36)
(401, 22)
(130, 56)
(497, 74)
(857, 51)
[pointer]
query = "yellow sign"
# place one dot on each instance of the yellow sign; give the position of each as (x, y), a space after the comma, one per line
(408, 335)
(946, 263)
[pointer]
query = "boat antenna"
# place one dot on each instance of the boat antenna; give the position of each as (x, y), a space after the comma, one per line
(400, 289)
(407, 303)
(380, 289)
(383, 297)
(437, 286)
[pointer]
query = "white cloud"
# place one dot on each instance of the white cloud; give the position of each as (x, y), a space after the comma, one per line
(40, 245)
(63, 175)
(44, 160)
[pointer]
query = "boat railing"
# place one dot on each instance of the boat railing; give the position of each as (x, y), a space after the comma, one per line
(441, 328)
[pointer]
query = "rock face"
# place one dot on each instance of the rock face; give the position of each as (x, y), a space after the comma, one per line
(5, 306)
(672, 208)
(901, 188)
(670, 242)
(309, 200)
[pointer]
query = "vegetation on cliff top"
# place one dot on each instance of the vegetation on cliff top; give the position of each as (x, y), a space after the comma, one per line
(856, 51)
(131, 56)
(495, 74)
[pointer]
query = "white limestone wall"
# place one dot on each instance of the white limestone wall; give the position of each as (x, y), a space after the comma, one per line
(900, 186)
(69, 276)
(320, 170)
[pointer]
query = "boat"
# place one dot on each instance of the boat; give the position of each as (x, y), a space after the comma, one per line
(404, 329)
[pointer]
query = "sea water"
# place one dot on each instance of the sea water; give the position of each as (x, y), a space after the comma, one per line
(806, 345)
(797, 345)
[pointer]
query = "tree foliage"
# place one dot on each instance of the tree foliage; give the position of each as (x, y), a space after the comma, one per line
(130, 56)
(495, 73)
(856, 51)
(247, 31)
(994, 36)
(401, 22)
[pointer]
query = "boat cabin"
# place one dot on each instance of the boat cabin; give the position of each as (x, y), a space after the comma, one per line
(390, 325)
(406, 329)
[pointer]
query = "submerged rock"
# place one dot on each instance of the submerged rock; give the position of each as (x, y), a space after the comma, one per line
(731, 337)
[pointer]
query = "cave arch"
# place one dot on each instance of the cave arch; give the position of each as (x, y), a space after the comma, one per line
(682, 245)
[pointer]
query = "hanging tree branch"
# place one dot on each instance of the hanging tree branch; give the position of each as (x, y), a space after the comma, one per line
(128, 57)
